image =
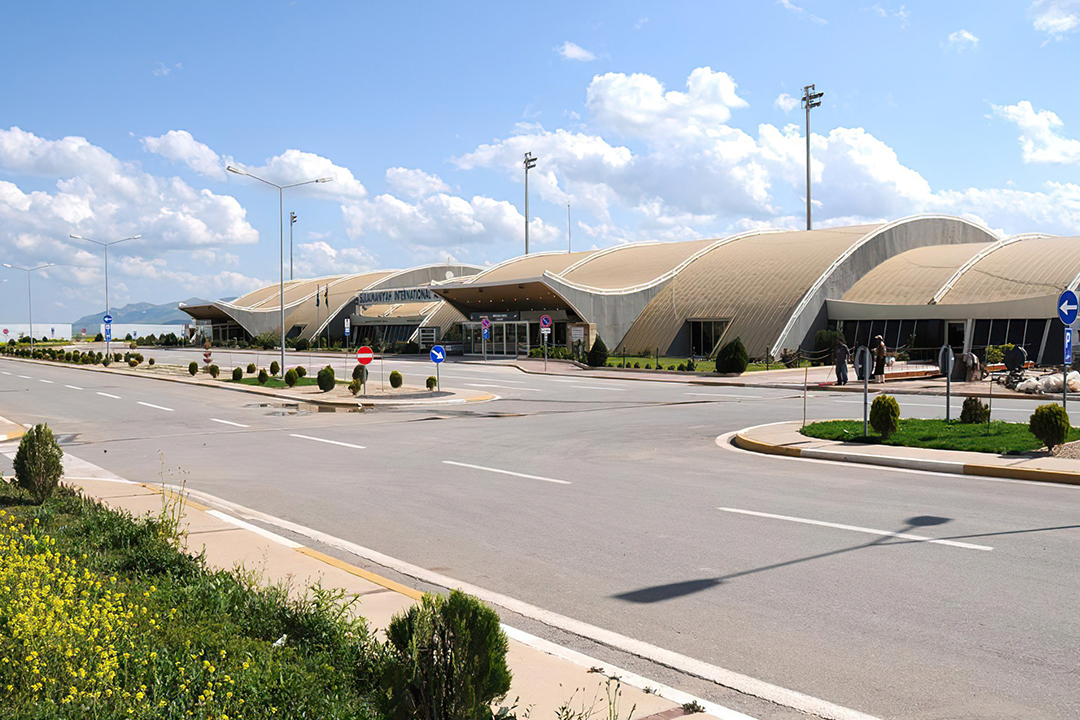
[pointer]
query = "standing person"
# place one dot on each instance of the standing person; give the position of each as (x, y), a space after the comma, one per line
(840, 357)
(879, 359)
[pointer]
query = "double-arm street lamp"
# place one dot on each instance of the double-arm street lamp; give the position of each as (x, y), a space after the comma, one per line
(281, 238)
(108, 309)
(29, 298)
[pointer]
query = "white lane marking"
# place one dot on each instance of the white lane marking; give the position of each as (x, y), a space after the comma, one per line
(49, 382)
(5, 372)
(156, 407)
(114, 397)
(729, 395)
(742, 683)
(73, 387)
(25, 377)
(856, 528)
(596, 387)
(503, 387)
(228, 422)
(506, 472)
(328, 442)
(486, 379)
(254, 528)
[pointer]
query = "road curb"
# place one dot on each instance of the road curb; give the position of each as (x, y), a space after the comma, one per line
(744, 441)
(336, 404)
(10, 430)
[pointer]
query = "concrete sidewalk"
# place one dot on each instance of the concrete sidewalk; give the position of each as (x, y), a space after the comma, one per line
(545, 675)
(785, 439)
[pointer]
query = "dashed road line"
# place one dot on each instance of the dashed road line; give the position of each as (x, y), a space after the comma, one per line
(25, 377)
(328, 442)
(597, 387)
(856, 528)
(506, 472)
(73, 387)
(503, 387)
(156, 407)
(47, 382)
(229, 422)
(114, 397)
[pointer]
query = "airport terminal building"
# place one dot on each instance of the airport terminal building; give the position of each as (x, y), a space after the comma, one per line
(921, 282)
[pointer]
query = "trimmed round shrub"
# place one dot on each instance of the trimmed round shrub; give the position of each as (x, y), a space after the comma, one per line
(302, 344)
(291, 377)
(251, 368)
(355, 387)
(884, 415)
(1050, 424)
(432, 382)
(637, 365)
(301, 371)
(598, 353)
(974, 412)
(446, 658)
(132, 345)
(214, 370)
(132, 362)
(237, 375)
(193, 368)
(150, 361)
(275, 368)
(648, 366)
(38, 463)
(263, 377)
(359, 371)
(106, 362)
(396, 379)
(326, 379)
(732, 358)
(116, 356)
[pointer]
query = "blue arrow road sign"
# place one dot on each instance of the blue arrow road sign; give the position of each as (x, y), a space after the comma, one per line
(108, 333)
(437, 354)
(1067, 307)
(107, 319)
(487, 333)
(1068, 346)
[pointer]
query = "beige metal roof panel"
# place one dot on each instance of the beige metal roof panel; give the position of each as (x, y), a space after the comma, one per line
(633, 264)
(754, 282)
(912, 277)
(1030, 268)
(341, 287)
(532, 266)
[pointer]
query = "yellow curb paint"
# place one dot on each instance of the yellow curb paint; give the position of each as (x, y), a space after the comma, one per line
(747, 443)
(1015, 473)
(358, 572)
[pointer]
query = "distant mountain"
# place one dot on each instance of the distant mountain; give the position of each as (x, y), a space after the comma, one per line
(144, 314)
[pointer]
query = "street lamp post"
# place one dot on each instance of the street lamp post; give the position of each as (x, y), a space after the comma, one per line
(108, 339)
(529, 163)
(281, 239)
(293, 217)
(810, 100)
(29, 297)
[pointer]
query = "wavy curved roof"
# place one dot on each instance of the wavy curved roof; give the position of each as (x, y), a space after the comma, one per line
(631, 265)
(913, 277)
(1031, 267)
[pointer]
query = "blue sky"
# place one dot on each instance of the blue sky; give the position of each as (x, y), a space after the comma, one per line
(655, 121)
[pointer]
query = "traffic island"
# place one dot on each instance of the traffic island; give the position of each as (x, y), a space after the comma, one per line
(786, 439)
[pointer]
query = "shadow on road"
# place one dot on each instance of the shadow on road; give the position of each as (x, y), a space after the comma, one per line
(670, 591)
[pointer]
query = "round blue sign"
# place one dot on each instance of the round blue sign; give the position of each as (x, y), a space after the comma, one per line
(438, 354)
(107, 319)
(1067, 306)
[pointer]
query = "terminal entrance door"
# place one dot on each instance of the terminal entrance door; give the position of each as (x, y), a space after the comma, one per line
(506, 338)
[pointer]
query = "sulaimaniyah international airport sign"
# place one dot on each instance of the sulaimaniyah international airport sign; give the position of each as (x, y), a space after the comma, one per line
(399, 295)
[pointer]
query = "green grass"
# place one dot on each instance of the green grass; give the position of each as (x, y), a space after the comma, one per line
(667, 363)
(274, 382)
(1003, 438)
(189, 628)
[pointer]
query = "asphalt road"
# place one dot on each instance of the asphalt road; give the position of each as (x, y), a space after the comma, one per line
(608, 509)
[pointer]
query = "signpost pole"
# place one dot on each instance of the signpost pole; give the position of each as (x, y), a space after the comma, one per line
(946, 360)
(1065, 368)
(864, 352)
(545, 352)
(1067, 307)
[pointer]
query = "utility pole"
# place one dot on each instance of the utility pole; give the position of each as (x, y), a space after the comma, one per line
(293, 217)
(529, 163)
(810, 100)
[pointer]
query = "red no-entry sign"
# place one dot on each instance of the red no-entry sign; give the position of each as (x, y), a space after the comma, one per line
(364, 355)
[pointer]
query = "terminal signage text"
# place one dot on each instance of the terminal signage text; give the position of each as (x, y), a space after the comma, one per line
(397, 295)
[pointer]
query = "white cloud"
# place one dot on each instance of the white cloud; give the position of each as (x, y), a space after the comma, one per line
(215, 257)
(414, 183)
(180, 146)
(885, 13)
(573, 51)
(801, 12)
(641, 22)
(296, 166)
(161, 69)
(1055, 18)
(1040, 139)
(157, 269)
(962, 40)
(318, 258)
(786, 103)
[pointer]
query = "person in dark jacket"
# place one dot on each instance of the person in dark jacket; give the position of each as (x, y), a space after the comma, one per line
(840, 356)
(879, 359)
